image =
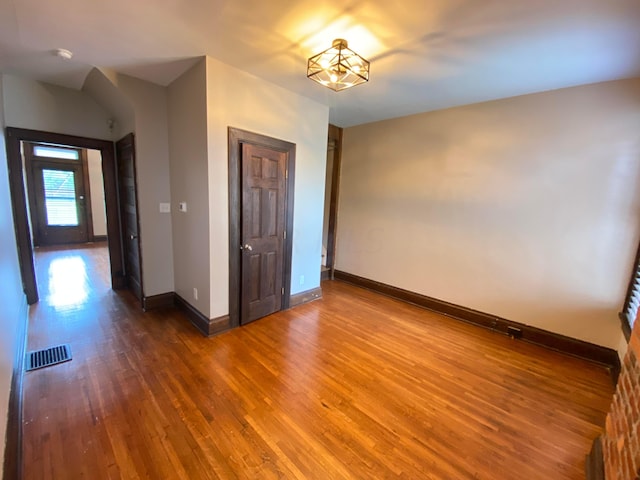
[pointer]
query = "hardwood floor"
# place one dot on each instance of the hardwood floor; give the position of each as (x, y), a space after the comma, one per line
(354, 385)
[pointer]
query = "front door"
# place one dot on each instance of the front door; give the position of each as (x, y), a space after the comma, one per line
(128, 194)
(263, 230)
(58, 197)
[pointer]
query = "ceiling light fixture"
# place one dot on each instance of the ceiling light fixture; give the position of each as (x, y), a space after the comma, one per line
(63, 53)
(338, 67)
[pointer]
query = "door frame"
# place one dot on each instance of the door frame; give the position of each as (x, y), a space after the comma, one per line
(19, 201)
(236, 138)
(31, 163)
(130, 138)
(335, 135)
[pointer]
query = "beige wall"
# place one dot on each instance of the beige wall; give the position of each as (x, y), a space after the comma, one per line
(149, 102)
(14, 306)
(238, 99)
(100, 85)
(527, 208)
(96, 187)
(41, 106)
(189, 183)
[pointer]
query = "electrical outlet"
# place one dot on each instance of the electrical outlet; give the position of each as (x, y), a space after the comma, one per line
(195, 293)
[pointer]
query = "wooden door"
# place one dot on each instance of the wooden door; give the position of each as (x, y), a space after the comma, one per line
(128, 196)
(263, 230)
(58, 202)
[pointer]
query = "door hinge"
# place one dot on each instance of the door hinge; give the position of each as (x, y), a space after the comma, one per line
(286, 174)
(282, 290)
(284, 234)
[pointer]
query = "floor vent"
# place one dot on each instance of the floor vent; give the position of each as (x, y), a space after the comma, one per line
(48, 357)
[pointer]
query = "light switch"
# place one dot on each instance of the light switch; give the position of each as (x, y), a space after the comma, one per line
(182, 206)
(165, 207)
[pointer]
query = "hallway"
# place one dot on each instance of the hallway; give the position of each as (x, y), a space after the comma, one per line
(355, 385)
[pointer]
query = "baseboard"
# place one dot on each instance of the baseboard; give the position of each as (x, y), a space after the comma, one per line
(206, 326)
(219, 325)
(162, 300)
(325, 275)
(99, 238)
(13, 447)
(626, 328)
(571, 346)
(594, 463)
(304, 297)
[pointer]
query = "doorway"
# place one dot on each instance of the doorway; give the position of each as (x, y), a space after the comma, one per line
(24, 238)
(261, 180)
(332, 180)
(59, 193)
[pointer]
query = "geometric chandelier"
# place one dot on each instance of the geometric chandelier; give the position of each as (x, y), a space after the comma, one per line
(338, 67)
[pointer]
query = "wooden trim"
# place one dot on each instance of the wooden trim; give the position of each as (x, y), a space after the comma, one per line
(13, 447)
(594, 463)
(305, 297)
(88, 212)
(206, 326)
(21, 222)
(335, 134)
(18, 199)
(554, 341)
(27, 151)
(624, 325)
(236, 138)
(162, 300)
(219, 325)
(99, 238)
(325, 275)
(128, 141)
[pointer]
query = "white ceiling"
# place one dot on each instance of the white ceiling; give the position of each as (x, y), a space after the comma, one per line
(425, 55)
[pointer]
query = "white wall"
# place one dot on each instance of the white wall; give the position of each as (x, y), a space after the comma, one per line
(189, 183)
(238, 99)
(96, 187)
(39, 106)
(14, 309)
(526, 208)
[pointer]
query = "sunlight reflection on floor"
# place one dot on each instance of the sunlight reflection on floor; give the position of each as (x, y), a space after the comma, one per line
(68, 283)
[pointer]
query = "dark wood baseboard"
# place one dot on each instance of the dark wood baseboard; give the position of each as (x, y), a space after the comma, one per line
(162, 300)
(13, 447)
(571, 346)
(99, 238)
(626, 328)
(219, 325)
(325, 275)
(206, 326)
(304, 297)
(594, 463)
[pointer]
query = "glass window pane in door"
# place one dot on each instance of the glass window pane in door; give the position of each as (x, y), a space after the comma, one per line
(60, 198)
(54, 152)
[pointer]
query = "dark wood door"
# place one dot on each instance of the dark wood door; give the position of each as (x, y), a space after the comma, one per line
(263, 230)
(128, 196)
(60, 203)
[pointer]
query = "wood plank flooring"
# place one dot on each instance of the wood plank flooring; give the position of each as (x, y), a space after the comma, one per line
(353, 386)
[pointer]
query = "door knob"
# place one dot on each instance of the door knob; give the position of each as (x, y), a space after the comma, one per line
(133, 237)
(248, 247)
